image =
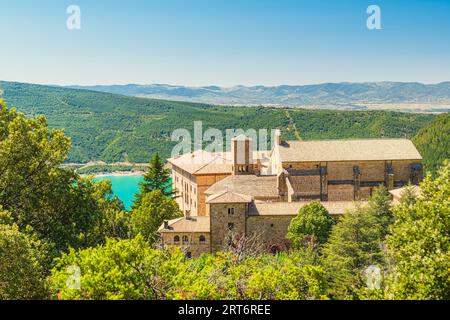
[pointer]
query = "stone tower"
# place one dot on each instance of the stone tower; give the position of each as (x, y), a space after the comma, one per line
(242, 155)
(228, 214)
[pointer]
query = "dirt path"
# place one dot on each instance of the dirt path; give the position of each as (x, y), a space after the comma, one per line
(293, 125)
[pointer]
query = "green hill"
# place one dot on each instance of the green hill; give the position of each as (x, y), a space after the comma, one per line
(433, 141)
(112, 127)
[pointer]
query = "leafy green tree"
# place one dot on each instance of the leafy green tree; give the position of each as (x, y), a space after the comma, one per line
(154, 209)
(313, 223)
(420, 242)
(262, 277)
(23, 261)
(120, 269)
(62, 208)
(131, 269)
(157, 177)
(114, 221)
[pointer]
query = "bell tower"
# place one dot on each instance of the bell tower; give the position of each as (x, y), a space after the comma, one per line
(242, 154)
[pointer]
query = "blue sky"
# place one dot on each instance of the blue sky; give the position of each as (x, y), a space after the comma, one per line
(224, 42)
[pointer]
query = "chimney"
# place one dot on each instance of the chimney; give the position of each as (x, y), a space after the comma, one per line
(166, 225)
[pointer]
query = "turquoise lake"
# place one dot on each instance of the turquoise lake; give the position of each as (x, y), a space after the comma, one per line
(125, 187)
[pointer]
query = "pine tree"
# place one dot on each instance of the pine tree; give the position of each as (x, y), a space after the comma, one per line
(156, 178)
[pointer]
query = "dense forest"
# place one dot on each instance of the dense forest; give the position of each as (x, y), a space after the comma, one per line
(433, 142)
(63, 236)
(114, 128)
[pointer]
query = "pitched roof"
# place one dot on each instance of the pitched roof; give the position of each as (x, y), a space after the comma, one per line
(292, 208)
(191, 224)
(229, 197)
(204, 162)
(250, 185)
(348, 150)
(398, 193)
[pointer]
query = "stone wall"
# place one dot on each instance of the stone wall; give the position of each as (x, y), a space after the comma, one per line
(222, 218)
(341, 183)
(270, 229)
(306, 187)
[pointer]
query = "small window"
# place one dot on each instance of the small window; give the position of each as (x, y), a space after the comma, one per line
(202, 239)
(271, 225)
(185, 239)
(230, 210)
(176, 239)
(230, 226)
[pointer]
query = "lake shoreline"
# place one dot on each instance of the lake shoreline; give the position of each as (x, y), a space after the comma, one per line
(116, 174)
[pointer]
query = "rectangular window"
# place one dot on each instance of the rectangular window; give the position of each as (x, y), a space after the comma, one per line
(230, 210)
(230, 226)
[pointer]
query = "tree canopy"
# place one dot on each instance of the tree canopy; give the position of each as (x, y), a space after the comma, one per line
(313, 223)
(23, 263)
(154, 209)
(131, 269)
(433, 142)
(61, 207)
(355, 244)
(419, 243)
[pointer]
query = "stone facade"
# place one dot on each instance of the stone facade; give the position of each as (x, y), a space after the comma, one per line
(226, 217)
(271, 230)
(191, 190)
(193, 244)
(335, 172)
(349, 180)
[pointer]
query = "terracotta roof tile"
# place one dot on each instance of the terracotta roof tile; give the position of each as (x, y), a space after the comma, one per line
(251, 185)
(348, 150)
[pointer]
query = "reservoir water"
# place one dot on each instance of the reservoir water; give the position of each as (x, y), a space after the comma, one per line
(124, 186)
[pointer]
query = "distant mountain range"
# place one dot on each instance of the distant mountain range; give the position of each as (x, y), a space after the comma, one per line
(405, 96)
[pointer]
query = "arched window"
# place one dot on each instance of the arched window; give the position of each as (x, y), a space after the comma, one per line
(185, 239)
(176, 239)
(202, 239)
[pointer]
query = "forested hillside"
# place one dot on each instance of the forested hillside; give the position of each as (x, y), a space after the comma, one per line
(112, 127)
(433, 142)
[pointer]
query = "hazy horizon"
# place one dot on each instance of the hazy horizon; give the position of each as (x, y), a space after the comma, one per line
(215, 85)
